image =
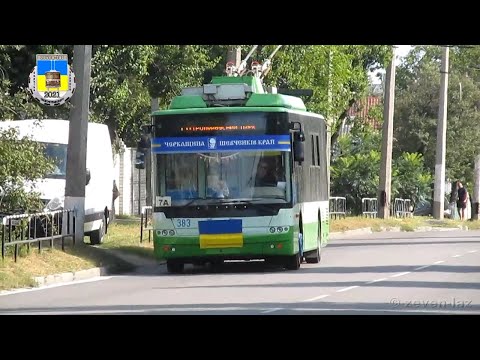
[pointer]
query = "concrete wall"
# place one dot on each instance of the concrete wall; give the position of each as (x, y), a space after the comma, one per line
(131, 183)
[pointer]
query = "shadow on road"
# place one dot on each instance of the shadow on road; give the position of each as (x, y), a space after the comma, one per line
(427, 307)
(341, 284)
(260, 267)
(391, 269)
(356, 242)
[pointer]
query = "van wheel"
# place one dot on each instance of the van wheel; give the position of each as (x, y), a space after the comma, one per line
(96, 236)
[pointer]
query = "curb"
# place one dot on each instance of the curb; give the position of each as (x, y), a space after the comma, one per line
(360, 231)
(431, 228)
(71, 276)
(135, 261)
(369, 230)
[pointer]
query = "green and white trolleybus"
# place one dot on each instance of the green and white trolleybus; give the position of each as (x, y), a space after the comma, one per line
(238, 173)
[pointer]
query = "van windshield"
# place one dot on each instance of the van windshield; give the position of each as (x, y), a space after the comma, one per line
(58, 153)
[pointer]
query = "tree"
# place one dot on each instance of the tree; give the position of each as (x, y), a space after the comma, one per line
(21, 163)
(416, 110)
(21, 160)
(410, 180)
(16, 63)
(119, 97)
(342, 69)
(124, 78)
(355, 172)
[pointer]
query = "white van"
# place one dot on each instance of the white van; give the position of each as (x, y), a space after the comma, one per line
(99, 190)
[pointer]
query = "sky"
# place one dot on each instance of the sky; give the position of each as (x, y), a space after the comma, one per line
(400, 52)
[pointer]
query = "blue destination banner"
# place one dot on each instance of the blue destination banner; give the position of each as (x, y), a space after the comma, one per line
(220, 143)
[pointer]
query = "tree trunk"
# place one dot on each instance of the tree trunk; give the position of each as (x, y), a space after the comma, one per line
(335, 132)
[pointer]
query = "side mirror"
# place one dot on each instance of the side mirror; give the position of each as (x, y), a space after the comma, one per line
(88, 177)
(144, 142)
(142, 147)
(299, 147)
(140, 159)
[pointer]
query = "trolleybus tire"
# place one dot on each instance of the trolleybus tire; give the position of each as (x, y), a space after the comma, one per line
(315, 259)
(175, 267)
(293, 262)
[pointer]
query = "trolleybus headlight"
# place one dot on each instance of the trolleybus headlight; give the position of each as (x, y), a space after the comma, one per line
(272, 230)
(279, 229)
(164, 232)
(171, 232)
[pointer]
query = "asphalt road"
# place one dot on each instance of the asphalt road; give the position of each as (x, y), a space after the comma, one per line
(382, 273)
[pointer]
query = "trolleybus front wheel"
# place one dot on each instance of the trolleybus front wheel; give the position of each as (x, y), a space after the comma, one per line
(174, 267)
(293, 262)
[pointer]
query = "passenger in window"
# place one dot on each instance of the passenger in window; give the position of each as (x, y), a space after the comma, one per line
(217, 188)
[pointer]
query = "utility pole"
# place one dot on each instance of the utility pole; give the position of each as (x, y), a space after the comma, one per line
(329, 119)
(148, 161)
(476, 190)
(385, 186)
(439, 186)
(77, 139)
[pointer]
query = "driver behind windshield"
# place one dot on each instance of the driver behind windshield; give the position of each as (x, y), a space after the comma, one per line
(265, 174)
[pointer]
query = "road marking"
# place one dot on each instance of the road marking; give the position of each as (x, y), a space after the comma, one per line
(422, 267)
(248, 310)
(377, 280)
(405, 310)
(72, 312)
(317, 297)
(401, 274)
(87, 311)
(45, 287)
(271, 310)
(347, 288)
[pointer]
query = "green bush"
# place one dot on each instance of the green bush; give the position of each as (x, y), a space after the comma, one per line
(355, 170)
(21, 163)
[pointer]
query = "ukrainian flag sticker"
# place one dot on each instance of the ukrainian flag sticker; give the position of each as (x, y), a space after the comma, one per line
(52, 82)
(216, 234)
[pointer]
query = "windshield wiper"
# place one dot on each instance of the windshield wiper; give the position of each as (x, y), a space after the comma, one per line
(214, 201)
(268, 198)
(236, 202)
(191, 202)
(251, 202)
